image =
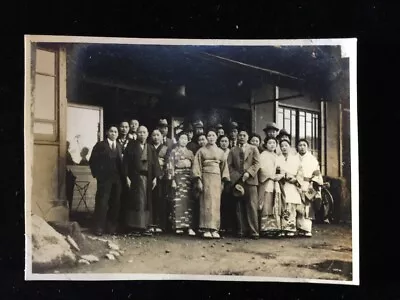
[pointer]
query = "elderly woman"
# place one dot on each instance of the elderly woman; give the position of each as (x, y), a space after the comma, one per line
(269, 191)
(179, 168)
(294, 213)
(210, 171)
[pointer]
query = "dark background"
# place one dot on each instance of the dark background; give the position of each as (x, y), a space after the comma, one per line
(373, 23)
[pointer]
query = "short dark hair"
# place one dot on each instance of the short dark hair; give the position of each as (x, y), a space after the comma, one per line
(111, 126)
(256, 135)
(220, 138)
(124, 121)
(270, 138)
(285, 140)
(302, 140)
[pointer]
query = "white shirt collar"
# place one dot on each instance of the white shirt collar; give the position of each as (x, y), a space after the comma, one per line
(110, 142)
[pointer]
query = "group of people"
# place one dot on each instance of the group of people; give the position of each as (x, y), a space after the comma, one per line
(204, 182)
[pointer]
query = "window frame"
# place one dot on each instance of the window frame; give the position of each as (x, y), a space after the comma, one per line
(296, 134)
(41, 138)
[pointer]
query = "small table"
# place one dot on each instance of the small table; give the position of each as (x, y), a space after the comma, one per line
(82, 187)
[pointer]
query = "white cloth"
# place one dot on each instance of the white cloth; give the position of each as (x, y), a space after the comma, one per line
(309, 164)
(290, 165)
(268, 164)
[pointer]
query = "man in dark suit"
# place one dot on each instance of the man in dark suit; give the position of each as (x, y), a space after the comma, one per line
(163, 127)
(106, 166)
(244, 163)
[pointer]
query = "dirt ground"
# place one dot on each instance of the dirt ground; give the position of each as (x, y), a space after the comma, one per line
(327, 255)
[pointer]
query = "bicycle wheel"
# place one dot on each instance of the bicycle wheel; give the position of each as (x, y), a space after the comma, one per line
(327, 204)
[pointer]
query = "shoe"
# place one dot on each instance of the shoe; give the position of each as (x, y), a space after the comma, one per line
(326, 221)
(147, 233)
(179, 231)
(191, 232)
(207, 235)
(98, 233)
(158, 230)
(290, 234)
(308, 234)
(255, 237)
(215, 235)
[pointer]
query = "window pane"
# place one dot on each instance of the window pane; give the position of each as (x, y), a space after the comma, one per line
(287, 125)
(280, 118)
(43, 128)
(44, 97)
(287, 114)
(293, 129)
(302, 126)
(45, 62)
(308, 131)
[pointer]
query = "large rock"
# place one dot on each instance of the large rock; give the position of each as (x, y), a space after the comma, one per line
(70, 228)
(49, 248)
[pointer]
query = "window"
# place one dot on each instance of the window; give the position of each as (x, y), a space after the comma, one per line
(301, 124)
(45, 104)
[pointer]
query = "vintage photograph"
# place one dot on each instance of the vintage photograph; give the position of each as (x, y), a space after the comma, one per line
(175, 159)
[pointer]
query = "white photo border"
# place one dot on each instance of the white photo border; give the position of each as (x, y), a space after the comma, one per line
(350, 44)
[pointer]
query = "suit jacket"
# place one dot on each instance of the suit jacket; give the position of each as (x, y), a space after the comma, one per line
(101, 163)
(251, 164)
(132, 161)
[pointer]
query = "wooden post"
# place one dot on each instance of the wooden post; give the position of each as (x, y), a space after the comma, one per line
(62, 126)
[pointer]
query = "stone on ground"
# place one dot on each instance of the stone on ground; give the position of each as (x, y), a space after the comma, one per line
(90, 258)
(73, 244)
(112, 246)
(49, 248)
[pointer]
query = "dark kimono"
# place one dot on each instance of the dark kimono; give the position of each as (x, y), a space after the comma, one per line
(160, 193)
(141, 166)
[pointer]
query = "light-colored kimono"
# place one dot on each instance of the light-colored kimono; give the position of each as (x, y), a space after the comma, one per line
(295, 215)
(311, 173)
(210, 166)
(269, 193)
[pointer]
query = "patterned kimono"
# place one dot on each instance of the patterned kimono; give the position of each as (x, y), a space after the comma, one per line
(269, 193)
(210, 166)
(295, 215)
(179, 169)
(311, 173)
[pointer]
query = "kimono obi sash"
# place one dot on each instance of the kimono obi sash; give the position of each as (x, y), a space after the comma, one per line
(211, 166)
(144, 164)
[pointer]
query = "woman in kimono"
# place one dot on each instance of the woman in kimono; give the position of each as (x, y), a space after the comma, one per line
(269, 190)
(159, 213)
(293, 219)
(312, 179)
(179, 168)
(227, 203)
(210, 171)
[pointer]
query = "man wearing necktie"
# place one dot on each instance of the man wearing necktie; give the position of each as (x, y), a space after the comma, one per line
(233, 135)
(106, 166)
(244, 163)
(163, 127)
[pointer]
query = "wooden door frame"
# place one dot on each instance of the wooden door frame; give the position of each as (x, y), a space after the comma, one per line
(92, 107)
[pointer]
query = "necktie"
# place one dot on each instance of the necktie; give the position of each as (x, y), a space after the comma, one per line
(113, 146)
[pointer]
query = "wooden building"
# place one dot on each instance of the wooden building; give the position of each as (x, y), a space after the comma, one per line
(303, 89)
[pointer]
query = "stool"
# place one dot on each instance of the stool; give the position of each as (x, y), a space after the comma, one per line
(82, 187)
